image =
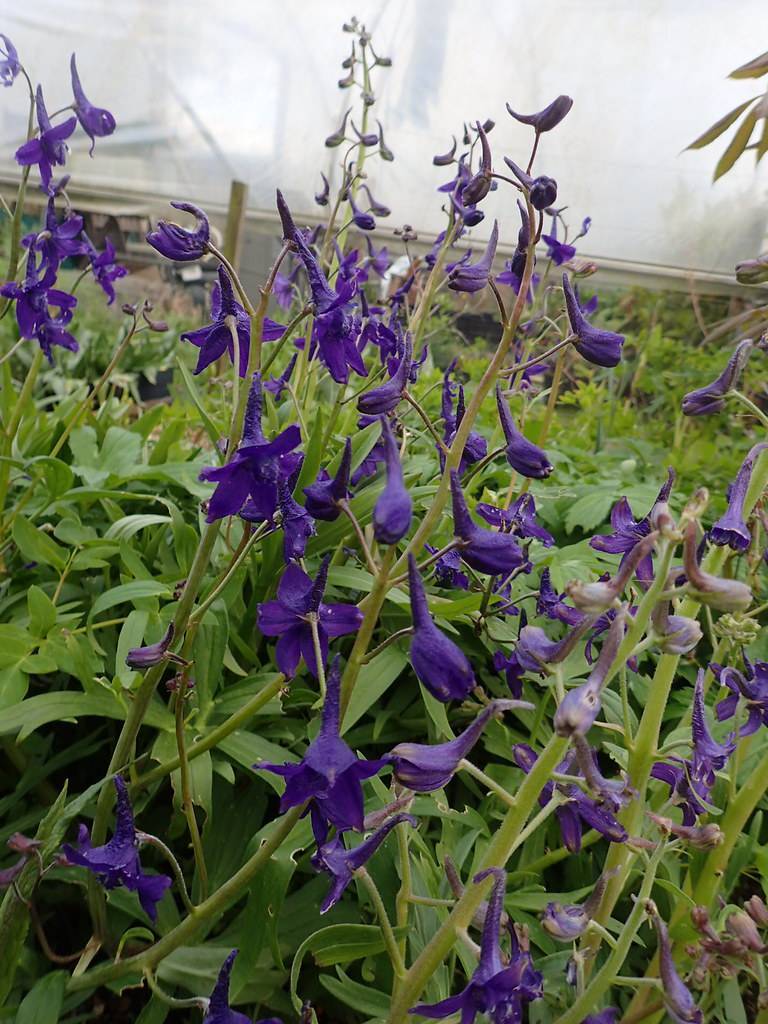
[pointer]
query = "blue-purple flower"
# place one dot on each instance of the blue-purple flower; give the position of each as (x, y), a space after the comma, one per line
(117, 862)
(296, 523)
(749, 689)
(679, 1002)
(298, 598)
(219, 1011)
(140, 658)
(691, 780)
(95, 121)
(277, 385)
(548, 118)
(552, 605)
(59, 240)
(385, 397)
(178, 243)
(711, 397)
(10, 65)
(484, 550)
(597, 346)
(500, 992)
(393, 509)
(720, 592)
(567, 922)
(437, 661)
(478, 187)
(330, 775)
(48, 148)
(340, 863)
(103, 266)
(522, 455)
(327, 494)
(541, 189)
(447, 567)
(476, 447)
(473, 277)
(424, 767)
(731, 529)
(34, 297)
(254, 468)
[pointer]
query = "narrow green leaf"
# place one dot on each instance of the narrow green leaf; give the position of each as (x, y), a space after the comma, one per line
(755, 68)
(126, 593)
(717, 129)
(736, 146)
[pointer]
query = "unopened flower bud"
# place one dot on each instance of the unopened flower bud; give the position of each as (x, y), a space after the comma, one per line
(715, 591)
(703, 837)
(757, 910)
(742, 927)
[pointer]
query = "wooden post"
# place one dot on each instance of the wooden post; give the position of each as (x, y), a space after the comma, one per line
(233, 231)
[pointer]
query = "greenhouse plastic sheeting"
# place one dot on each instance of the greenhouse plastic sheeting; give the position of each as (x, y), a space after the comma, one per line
(204, 93)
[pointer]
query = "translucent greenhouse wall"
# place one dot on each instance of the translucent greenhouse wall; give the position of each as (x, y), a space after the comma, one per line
(204, 93)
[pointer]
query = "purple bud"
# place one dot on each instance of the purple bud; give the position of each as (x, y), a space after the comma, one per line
(542, 190)
(522, 455)
(321, 197)
(742, 927)
(377, 209)
(731, 529)
(603, 348)
(595, 598)
(580, 707)
(392, 512)
(677, 998)
(480, 185)
(384, 151)
(385, 397)
(181, 244)
(723, 594)
(145, 657)
(323, 496)
(444, 159)
(339, 135)
(567, 922)
(548, 118)
(485, 550)
(473, 277)
(711, 397)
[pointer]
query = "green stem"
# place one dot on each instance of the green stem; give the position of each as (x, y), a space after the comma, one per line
(403, 899)
(360, 647)
(187, 801)
(487, 781)
(384, 923)
(19, 409)
(496, 855)
(144, 837)
(205, 913)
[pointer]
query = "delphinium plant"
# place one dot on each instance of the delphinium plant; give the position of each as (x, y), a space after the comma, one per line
(353, 674)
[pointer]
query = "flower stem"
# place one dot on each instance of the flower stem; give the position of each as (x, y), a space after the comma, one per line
(346, 509)
(144, 837)
(187, 801)
(384, 923)
(487, 781)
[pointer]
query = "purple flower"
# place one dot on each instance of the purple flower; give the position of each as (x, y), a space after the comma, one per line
(425, 767)
(519, 519)
(444, 159)
(178, 243)
(10, 65)
(603, 348)
(254, 468)
(330, 775)
(542, 190)
(377, 209)
(59, 240)
(513, 671)
(385, 397)
(325, 495)
(551, 604)
(731, 530)
(711, 397)
(296, 523)
(568, 922)
(153, 654)
(276, 385)
(580, 811)
(577, 711)
(321, 197)
(283, 288)
(34, 297)
(557, 251)
(548, 118)
(103, 267)
(448, 569)
(501, 992)
(522, 455)
(219, 1011)
(364, 221)
(750, 686)
(334, 331)
(437, 661)
(48, 148)
(117, 863)
(95, 121)
(514, 269)
(484, 550)
(340, 863)
(476, 447)
(288, 618)
(393, 509)
(691, 781)
(473, 277)
(479, 185)
(627, 530)
(677, 998)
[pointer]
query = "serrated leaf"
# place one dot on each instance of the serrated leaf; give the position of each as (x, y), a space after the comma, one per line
(717, 129)
(736, 146)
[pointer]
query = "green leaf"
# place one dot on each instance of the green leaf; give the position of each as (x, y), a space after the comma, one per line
(362, 998)
(374, 680)
(127, 593)
(755, 68)
(736, 146)
(360, 940)
(43, 1003)
(189, 383)
(717, 129)
(129, 526)
(590, 509)
(37, 546)
(42, 612)
(119, 455)
(30, 714)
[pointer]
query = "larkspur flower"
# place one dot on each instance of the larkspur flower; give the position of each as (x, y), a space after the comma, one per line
(548, 118)
(569, 921)
(327, 493)
(749, 689)
(117, 862)
(59, 240)
(580, 811)
(178, 243)
(522, 455)
(283, 288)
(394, 508)
(474, 276)
(514, 269)
(330, 775)
(153, 654)
(627, 531)
(577, 711)
(216, 338)
(437, 661)
(277, 385)
(679, 1002)
(95, 121)
(254, 468)
(321, 197)
(377, 209)
(535, 650)
(603, 348)
(219, 1010)
(597, 597)
(360, 218)
(340, 863)
(476, 446)
(298, 597)
(424, 767)
(482, 549)
(103, 266)
(48, 148)
(447, 568)
(691, 780)
(675, 634)
(542, 190)
(385, 397)
(711, 397)
(519, 519)
(557, 251)
(552, 605)
(726, 595)
(295, 522)
(10, 65)
(334, 330)
(34, 297)
(500, 992)
(478, 187)
(731, 530)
